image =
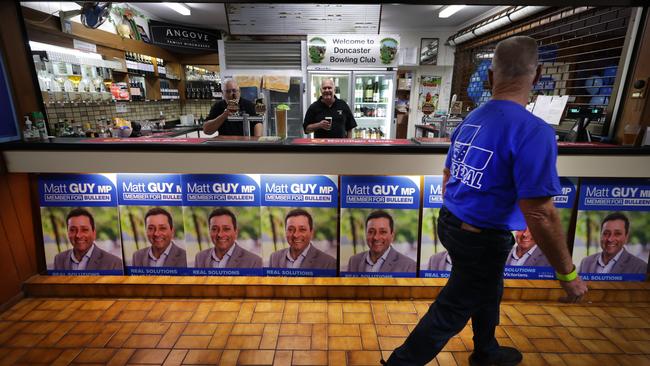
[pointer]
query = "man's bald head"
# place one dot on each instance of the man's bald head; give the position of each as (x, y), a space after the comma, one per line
(515, 57)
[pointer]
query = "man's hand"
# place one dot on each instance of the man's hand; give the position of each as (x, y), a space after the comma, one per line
(575, 290)
(325, 124)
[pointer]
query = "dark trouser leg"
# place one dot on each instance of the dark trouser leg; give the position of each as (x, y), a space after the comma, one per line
(485, 319)
(473, 290)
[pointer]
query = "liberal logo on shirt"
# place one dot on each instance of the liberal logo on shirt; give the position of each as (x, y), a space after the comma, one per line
(468, 161)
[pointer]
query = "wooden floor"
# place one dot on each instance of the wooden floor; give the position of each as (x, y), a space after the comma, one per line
(294, 332)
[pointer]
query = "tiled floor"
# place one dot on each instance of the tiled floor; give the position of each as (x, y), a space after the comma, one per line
(293, 332)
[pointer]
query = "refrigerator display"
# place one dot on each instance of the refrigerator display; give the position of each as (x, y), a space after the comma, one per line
(373, 104)
(369, 94)
(341, 85)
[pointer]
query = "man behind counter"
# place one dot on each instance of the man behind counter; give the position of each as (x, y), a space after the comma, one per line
(217, 120)
(329, 117)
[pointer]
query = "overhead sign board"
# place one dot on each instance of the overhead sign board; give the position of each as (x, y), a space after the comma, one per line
(183, 39)
(352, 50)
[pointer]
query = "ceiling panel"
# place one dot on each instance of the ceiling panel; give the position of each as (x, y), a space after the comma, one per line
(301, 19)
(204, 15)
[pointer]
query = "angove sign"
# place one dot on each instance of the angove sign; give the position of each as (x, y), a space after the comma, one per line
(352, 50)
(182, 38)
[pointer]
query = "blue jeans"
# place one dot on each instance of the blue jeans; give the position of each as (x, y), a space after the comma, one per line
(474, 290)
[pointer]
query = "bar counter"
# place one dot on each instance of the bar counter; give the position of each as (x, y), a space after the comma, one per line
(293, 156)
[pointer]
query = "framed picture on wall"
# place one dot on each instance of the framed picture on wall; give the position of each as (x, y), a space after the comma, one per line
(429, 51)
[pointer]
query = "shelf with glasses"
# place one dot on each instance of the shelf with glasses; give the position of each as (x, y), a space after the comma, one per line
(361, 103)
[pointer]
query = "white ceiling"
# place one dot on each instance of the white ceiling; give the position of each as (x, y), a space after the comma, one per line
(394, 17)
(204, 15)
(400, 17)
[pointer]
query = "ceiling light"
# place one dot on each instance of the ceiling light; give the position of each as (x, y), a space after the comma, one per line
(180, 8)
(449, 10)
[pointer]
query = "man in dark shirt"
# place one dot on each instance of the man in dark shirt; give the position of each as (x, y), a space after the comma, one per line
(329, 117)
(218, 118)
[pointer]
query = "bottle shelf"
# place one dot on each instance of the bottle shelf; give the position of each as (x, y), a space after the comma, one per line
(360, 103)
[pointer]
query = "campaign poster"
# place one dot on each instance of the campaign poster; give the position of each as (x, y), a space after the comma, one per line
(81, 230)
(434, 259)
(613, 229)
(299, 217)
(379, 226)
(221, 213)
(151, 221)
(526, 260)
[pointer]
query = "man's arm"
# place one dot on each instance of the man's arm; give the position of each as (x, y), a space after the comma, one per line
(211, 126)
(544, 223)
(308, 125)
(349, 135)
(314, 126)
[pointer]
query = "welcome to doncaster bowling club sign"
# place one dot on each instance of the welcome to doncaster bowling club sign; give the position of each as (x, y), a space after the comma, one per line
(352, 50)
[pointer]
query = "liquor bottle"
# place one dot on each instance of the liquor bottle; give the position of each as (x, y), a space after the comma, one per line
(375, 90)
(127, 60)
(260, 106)
(29, 134)
(144, 66)
(150, 65)
(357, 111)
(147, 64)
(358, 91)
(384, 91)
(219, 92)
(40, 130)
(133, 91)
(368, 91)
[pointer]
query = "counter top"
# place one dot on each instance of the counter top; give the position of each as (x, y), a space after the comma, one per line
(168, 141)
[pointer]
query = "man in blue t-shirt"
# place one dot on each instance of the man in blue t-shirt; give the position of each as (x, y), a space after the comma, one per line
(500, 175)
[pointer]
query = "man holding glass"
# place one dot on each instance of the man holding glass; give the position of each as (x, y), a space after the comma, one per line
(329, 117)
(231, 105)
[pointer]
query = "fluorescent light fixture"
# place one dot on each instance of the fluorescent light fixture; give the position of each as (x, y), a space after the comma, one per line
(180, 8)
(449, 10)
(38, 46)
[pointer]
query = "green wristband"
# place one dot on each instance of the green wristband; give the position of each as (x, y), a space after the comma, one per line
(567, 277)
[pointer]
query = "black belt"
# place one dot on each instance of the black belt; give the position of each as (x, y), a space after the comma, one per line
(457, 222)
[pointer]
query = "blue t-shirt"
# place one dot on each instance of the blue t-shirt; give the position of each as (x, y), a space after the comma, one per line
(500, 154)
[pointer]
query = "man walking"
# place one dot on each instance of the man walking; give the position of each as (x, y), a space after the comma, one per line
(500, 175)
